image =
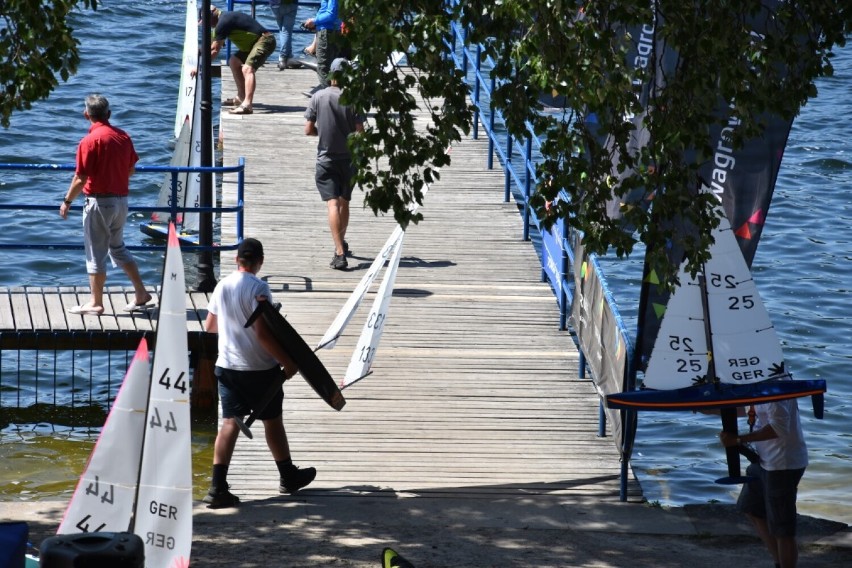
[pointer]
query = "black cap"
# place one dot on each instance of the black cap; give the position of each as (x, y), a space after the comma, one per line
(250, 249)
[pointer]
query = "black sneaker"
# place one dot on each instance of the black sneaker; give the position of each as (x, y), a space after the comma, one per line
(220, 499)
(339, 262)
(346, 251)
(296, 478)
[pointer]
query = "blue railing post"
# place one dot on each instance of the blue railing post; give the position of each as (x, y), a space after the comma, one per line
(491, 114)
(173, 198)
(507, 169)
(527, 186)
(241, 176)
(476, 89)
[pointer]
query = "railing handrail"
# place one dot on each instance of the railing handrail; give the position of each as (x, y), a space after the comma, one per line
(239, 169)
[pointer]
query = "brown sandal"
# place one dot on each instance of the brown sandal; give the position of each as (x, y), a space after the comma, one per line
(240, 110)
(233, 101)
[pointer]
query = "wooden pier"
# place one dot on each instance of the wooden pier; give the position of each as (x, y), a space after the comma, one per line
(474, 389)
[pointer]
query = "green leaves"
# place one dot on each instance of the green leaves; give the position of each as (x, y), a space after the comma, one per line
(643, 84)
(36, 44)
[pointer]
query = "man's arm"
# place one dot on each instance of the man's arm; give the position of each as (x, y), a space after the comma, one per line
(211, 324)
(78, 182)
(311, 128)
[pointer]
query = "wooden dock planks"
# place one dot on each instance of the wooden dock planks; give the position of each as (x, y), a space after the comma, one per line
(474, 389)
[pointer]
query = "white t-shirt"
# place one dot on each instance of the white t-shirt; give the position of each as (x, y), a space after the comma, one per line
(788, 450)
(232, 302)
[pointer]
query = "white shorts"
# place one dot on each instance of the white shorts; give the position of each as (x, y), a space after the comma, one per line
(103, 233)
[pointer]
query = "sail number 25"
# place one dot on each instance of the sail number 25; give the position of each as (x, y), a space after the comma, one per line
(683, 344)
(729, 282)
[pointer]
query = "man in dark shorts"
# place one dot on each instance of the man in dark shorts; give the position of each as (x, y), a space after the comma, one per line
(254, 45)
(769, 501)
(248, 363)
(333, 122)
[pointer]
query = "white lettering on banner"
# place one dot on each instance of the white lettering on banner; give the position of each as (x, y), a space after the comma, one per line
(723, 160)
(644, 47)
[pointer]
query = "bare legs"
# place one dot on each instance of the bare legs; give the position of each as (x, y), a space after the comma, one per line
(226, 440)
(244, 77)
(98, 280)
(338, 221)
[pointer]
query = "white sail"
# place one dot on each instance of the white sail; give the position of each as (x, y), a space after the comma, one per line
(371, 334)
(104, 498)
(164, 510)
(745, 347)
(192, 197)
(189, 63)
(348, 310)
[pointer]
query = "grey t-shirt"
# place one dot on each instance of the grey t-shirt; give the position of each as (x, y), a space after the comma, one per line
(334, 122)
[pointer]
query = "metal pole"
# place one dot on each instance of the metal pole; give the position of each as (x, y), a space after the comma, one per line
(206, 278)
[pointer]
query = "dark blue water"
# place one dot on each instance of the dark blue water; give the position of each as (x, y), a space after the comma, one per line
(131, 53)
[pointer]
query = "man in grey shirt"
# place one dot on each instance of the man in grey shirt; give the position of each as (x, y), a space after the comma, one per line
(333, 122)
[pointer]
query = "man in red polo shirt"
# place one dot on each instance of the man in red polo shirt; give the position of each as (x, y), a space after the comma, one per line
(105, 161)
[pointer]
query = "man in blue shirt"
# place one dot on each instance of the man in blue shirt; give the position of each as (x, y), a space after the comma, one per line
(327, 25)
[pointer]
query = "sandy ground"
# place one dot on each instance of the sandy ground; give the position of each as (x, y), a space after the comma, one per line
(351, 531)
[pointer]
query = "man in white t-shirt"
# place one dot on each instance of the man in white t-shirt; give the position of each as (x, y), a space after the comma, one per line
(249, 362)
(770, 499)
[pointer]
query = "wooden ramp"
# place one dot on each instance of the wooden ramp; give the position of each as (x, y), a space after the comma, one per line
(474, 389)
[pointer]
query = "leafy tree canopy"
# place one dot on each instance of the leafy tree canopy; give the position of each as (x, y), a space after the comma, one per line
(579, 50)
(36, 46)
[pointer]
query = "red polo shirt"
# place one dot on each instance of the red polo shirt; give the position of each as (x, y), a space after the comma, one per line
(105, 156)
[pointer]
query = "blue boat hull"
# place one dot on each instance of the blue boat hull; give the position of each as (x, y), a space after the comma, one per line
(709, 396)
(158, 230)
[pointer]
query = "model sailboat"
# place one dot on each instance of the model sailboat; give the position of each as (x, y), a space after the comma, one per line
(184, 189)
(139, 476)
(717, 348)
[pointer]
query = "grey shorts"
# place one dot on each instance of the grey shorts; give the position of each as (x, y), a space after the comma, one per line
(772, 496)
(103, 233)
(242, 391)
(334, 179)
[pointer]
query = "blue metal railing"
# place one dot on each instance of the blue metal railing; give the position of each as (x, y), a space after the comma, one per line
(556, 250)
(172, 209)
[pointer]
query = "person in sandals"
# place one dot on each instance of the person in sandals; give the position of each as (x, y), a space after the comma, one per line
(254, 45)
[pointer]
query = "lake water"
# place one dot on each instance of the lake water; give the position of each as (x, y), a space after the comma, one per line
(131, 53)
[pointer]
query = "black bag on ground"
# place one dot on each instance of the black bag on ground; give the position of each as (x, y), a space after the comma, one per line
(93, 550)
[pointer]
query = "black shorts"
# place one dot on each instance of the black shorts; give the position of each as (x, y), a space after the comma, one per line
(240, 392)
(772, 496)
(334, 179)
